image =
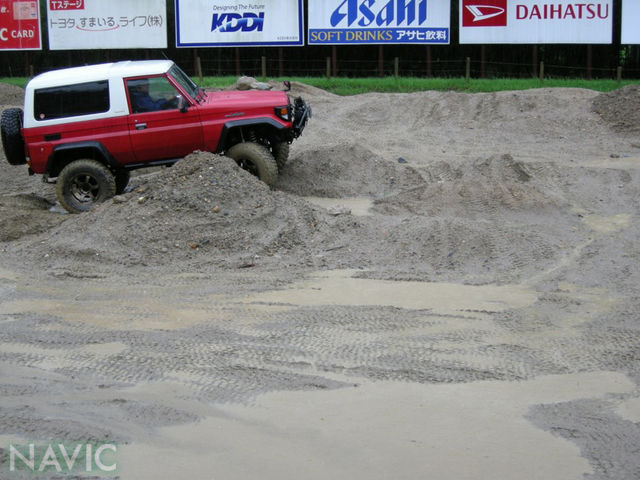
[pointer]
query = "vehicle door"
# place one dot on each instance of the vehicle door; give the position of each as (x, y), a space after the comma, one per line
(159, 129)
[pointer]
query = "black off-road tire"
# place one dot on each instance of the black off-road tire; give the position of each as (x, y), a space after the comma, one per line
(122, 180)
(83, 184)
(256, 159)
(281, 154)
(12, 140)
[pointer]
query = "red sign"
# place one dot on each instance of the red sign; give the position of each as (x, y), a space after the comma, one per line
(66, 4)
(19, 25)
(484, 13)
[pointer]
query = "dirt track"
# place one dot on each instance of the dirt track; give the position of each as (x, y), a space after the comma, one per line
(442, 285)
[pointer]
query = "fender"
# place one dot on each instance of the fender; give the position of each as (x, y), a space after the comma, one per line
(89, 149)
(271, 122)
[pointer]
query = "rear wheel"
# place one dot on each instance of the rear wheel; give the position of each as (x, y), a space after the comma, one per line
(84, 183)
(12, 140)
(256, 159)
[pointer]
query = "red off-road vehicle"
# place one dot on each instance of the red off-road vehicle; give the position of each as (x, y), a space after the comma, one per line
(88, 127)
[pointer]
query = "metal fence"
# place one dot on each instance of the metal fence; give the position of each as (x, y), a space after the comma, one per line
(491, 61)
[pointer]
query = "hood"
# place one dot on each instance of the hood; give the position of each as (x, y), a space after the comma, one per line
(248, 98)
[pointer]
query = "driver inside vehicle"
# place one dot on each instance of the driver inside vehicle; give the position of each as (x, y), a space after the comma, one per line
(142, 101)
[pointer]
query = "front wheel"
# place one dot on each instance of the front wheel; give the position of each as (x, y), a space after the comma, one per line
(281, 153)
(256, 159)
(84, 183)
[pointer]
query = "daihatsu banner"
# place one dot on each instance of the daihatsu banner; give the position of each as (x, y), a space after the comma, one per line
(227, 23)
(531, 21)
(343, 22)
(100, 24)
(630, 22)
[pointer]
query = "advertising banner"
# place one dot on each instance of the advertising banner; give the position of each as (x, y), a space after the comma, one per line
(240, 23)
(348, 22)
(100, 24)
(535, 21)
(630, 22)
(20, 25)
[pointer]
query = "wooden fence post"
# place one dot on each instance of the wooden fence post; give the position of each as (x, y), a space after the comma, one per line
(541, 78)
(264, 67)
(334, 60)
(467, 74)
(396, 67)
(328, 67)
(619, 75)
(199, 69)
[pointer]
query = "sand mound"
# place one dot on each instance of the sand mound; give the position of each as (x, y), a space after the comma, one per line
(22, 215)
(204, 208)
(447, 203)
(487, 186)
(11, 95)
(346, 170)
(620, 108)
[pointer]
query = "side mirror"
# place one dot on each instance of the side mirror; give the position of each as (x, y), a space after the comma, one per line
(183, 105)
(287, 86)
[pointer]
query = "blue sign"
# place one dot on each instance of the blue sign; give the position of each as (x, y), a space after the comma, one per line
(379, 22)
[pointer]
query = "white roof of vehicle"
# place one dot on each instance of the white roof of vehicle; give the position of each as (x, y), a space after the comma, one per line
(104, 71)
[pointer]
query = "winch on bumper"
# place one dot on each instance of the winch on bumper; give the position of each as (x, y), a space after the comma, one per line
(301, 115)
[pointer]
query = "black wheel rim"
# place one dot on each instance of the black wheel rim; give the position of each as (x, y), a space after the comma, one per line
(85, 188)
(249, 166)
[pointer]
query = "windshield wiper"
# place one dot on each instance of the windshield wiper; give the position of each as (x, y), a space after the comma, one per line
(200, 94)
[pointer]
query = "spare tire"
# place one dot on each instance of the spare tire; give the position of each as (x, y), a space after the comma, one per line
(12, 140)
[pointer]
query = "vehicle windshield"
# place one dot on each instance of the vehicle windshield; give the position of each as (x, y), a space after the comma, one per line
(185, 82)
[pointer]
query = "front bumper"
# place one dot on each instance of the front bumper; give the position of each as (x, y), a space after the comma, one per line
(301, 115)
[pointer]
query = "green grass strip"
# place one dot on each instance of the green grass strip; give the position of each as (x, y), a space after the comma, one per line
(355, 86)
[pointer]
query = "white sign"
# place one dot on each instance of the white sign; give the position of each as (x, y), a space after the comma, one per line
(227, 23)
(100, 24)
(348, 22)
(535, 21)
(630, 22)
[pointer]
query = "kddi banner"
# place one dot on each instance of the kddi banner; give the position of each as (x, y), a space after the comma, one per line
(97, 24)
(379, 21)
(530, 21)
(631, 22)
(206, 23)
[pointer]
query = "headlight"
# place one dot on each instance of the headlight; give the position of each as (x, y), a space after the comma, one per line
(284, 113)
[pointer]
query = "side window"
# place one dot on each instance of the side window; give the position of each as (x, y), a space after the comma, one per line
(71, 100)
(151, 94)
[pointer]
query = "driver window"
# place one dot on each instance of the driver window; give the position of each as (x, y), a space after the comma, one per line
(152, 94)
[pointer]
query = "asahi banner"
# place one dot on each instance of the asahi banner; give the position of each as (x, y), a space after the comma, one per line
(19, 25)
(342, 22)
(100, 24)
(226, 23)
(631, 22)
(531, 21)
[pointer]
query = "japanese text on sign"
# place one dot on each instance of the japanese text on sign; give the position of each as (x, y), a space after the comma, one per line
(98, 24)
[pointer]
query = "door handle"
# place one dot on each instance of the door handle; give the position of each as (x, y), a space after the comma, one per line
(141, 126)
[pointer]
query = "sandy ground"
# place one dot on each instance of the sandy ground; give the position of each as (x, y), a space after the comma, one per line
(441, 285)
